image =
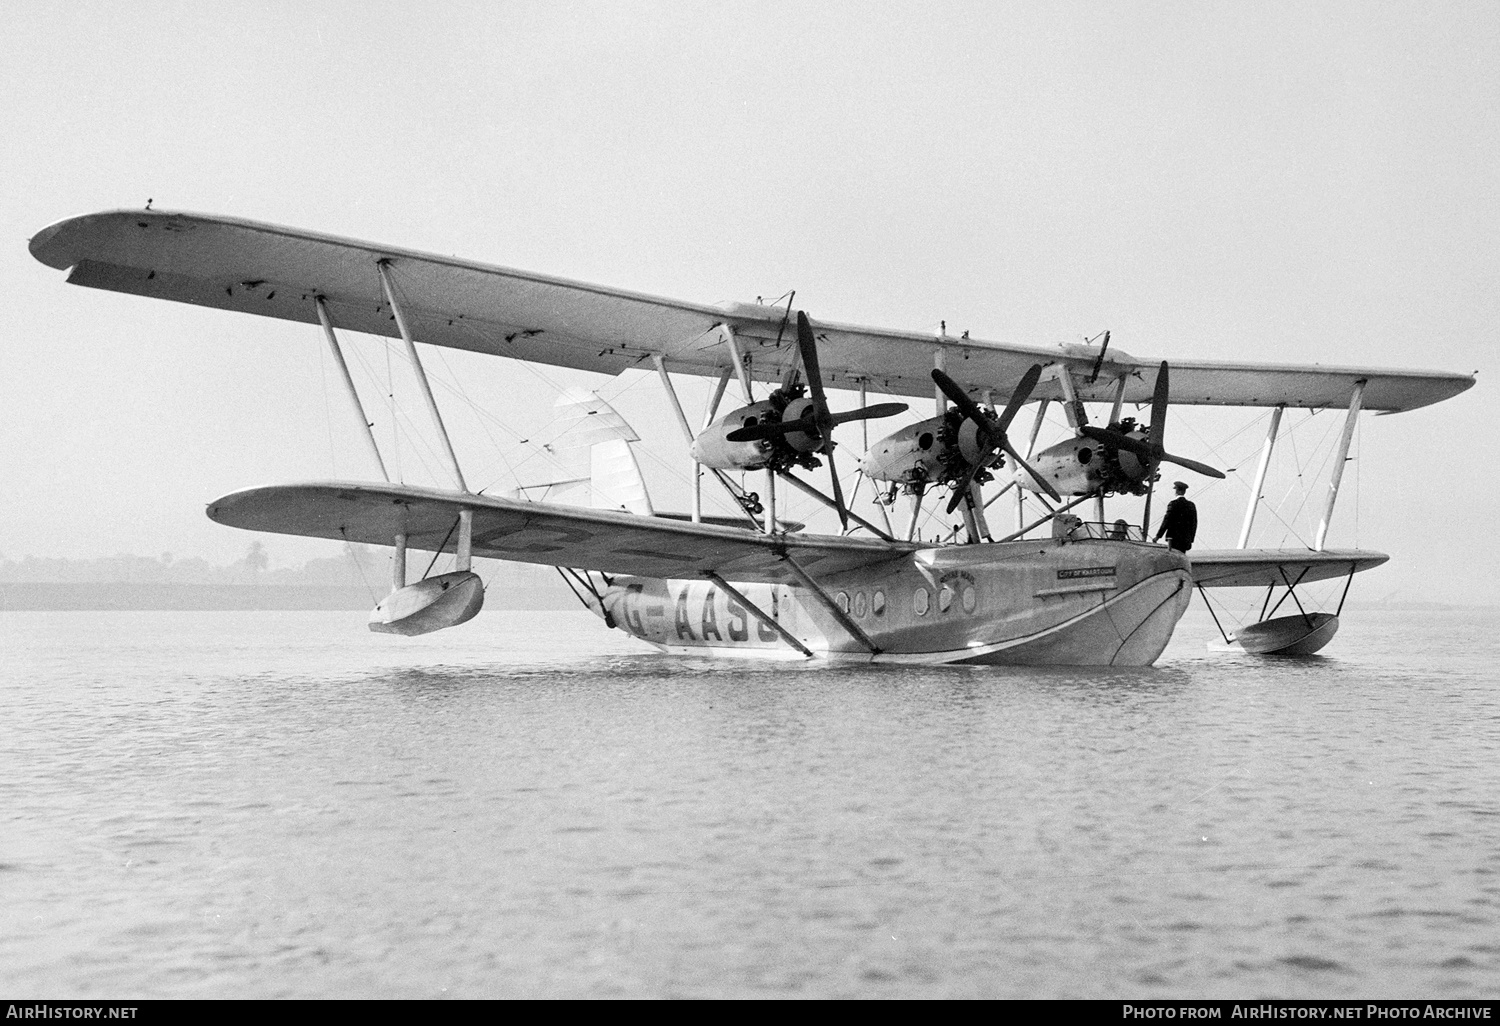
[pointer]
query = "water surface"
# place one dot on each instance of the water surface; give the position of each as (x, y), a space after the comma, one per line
(284, 805)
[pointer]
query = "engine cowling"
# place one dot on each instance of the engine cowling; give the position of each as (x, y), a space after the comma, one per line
(1082, 466)
(712, 449)
(941, 449)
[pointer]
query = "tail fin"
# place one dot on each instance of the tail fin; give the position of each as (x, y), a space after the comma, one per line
(592, 445)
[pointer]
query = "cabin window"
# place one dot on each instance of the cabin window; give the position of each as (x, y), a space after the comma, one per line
(877, 603)
(970, 599)
(1085, 454)
(945, 598)
(920, 601)
(859, 604)
(843, 600)
(924, 441)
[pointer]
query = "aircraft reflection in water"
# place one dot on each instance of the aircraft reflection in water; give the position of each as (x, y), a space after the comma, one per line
(755, 585)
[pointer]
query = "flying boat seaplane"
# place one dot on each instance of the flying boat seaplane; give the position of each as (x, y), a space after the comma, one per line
(756, 584)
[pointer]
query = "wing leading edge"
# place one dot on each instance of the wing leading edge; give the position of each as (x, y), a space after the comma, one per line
(537, 532)
(245, 266)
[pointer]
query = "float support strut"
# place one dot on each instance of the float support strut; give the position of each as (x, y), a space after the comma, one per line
(465, 539)
(1289, 590)
(1347, 581)
(1289, 586)
(1211, 613)
(398, 563)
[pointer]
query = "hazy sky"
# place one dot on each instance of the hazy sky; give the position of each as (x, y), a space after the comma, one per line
(1294, 182)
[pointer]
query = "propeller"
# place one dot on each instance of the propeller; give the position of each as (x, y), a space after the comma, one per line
(1151, 452)
(991, 434)
(807, 425)
(818, 421)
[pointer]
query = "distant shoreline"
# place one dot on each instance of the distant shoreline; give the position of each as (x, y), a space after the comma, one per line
(75, 596)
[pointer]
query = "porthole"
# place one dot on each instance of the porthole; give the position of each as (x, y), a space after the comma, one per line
(859, 604)
(920, 601)
(1085, 454)
(877, 603)
(924, 441)
(945, 598)
(843, 600)
(970, 599)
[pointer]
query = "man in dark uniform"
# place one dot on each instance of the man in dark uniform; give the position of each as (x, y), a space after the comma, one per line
(1180, 525)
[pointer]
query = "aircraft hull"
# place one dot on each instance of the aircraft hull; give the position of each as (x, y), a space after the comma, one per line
(1030, 603)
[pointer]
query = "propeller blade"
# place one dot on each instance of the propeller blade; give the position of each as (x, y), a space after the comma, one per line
(808, 347)
(838, 489)
(959, 493)
(992, 433)
(876, 412)
(1119, 441)
(958, 397)
(1042, 482)
(1159, 407)
(809, 426)
(1194, 465)
(1020, 395)
(772, 430)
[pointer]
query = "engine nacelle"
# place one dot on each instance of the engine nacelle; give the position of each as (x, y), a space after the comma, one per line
(712, 449)
(939, 449)
(912, 456)
(1082, 466)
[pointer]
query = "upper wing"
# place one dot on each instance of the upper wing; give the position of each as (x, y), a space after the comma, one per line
(537, 532)
(1261, 568)
(264, 269)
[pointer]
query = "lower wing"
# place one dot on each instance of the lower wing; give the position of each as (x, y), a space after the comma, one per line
(538, 532)
(1260, 568)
